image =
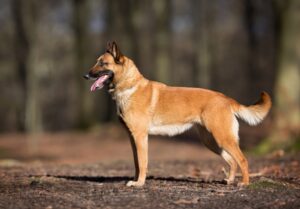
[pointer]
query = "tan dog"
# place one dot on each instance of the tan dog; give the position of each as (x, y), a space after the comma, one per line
(149, 107)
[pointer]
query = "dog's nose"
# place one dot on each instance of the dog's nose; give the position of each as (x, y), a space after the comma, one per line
(86, 76)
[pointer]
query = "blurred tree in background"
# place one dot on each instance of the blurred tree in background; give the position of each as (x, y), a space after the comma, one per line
(287, 84)
(237, 47)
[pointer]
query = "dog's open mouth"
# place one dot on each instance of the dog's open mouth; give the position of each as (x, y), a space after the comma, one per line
(99, 83)
(102, 78)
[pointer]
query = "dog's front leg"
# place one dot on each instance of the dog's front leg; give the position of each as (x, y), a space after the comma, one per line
(140, 152)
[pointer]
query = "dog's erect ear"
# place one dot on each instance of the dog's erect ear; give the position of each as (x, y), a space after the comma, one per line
(114, 50)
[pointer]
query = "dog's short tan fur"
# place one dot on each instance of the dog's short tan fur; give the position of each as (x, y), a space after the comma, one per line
(149, 107)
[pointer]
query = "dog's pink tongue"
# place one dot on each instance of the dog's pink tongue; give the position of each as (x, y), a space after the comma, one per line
(98, 84)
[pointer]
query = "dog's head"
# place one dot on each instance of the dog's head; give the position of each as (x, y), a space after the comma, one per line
(107, 67)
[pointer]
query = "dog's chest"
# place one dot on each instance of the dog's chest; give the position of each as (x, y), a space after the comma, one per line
(123, 99)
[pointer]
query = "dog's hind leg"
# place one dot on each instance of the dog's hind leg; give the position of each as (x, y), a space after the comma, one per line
(232, 152)
(233, 167)
(233, 149)
(211, 144)
(208, 140)
(224, 129)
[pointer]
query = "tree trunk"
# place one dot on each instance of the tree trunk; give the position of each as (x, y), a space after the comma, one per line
(203, 41)
(141, 20)
(162, 51)
(21, 51)
(80, 26)
(25, 20)
(260, 16)
(230, 49)
(183, 45)
(287, 89)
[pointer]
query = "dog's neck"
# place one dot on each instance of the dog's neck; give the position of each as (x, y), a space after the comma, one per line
(129, 78)
(124, 86)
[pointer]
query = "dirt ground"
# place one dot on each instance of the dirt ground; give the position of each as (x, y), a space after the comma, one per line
(90, 171)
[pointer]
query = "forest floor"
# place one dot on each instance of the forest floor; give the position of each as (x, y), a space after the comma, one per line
(90, 171)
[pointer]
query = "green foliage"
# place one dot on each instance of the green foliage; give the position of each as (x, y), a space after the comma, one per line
(266, 183)
(263, 148)
(294, 146)
(268, 145)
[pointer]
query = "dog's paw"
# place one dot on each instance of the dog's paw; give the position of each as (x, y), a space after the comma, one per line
(135, 183)
(229, 181)
(243, 184)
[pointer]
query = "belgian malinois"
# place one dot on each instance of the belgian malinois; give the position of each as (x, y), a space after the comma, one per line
(150, 107)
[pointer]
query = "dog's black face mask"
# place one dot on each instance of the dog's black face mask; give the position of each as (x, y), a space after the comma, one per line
(103, 78)
(107, 65)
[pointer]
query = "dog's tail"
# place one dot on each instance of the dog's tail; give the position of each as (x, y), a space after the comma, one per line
(255, 113)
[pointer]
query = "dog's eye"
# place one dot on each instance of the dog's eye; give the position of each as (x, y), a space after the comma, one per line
(102, 63)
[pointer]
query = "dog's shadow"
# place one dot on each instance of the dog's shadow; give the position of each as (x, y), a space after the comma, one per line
(119, 179)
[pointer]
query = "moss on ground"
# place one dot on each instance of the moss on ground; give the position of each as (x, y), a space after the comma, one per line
(266, 183)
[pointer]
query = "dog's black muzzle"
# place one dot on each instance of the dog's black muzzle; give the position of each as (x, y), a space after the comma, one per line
(94, 76)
